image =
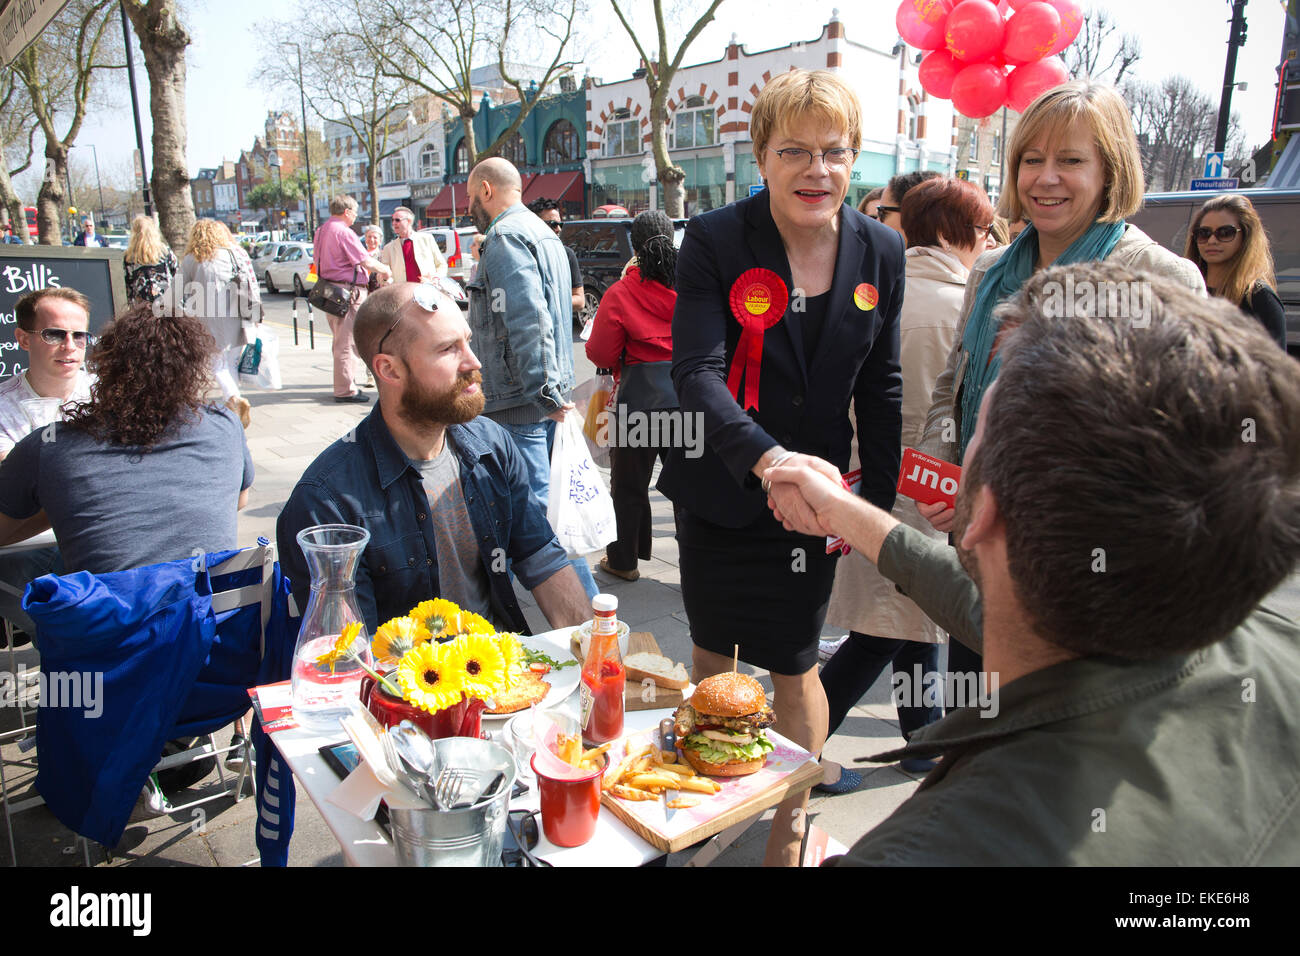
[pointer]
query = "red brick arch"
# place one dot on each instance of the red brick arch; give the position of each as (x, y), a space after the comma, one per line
(711, 98)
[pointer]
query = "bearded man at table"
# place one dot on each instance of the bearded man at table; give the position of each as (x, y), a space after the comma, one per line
(1129, 502)
(442, 490)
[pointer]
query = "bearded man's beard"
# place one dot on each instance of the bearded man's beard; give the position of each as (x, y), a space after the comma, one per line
(423, 406)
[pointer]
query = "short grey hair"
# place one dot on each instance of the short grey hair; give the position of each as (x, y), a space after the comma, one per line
(341, 204)
(373, 228)
(405, 209)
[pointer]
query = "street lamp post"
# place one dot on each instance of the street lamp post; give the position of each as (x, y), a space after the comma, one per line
(99, 184)
(274, 161)
(306, 146)
(1236, 38)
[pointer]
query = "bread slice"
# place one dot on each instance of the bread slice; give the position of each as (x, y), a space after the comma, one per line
(657, 668)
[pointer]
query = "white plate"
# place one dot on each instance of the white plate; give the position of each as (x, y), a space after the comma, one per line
(554, 644)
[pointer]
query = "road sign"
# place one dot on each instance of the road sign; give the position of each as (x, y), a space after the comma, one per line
(21, 23)
(1214, 185)
(756, 188)
(1213, 165)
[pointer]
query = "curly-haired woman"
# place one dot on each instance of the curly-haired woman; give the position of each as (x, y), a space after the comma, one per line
(221, 291)
(148, 471)
(1228, 244)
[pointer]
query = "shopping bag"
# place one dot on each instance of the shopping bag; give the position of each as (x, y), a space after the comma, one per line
(580, 509)
(595, 396)
(265, 371)
(251, 358)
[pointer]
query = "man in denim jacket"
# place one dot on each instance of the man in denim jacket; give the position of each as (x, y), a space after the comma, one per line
(442, 490)
(521, 315)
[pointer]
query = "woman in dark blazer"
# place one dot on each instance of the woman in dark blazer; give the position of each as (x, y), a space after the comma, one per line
(825, 284)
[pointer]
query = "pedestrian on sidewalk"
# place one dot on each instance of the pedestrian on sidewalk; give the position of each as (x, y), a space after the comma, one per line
(341, 260)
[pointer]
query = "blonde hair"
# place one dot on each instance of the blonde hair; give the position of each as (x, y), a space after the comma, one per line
(146, 246)
(1108, 118)
(207, 238)
(1254, 260)
(802, 96)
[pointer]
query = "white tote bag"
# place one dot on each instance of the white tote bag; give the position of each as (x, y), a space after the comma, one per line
(580, 508)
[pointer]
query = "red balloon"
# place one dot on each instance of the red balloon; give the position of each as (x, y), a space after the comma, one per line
(937, 71)
(1071, 23)
(921, 22)
(979, 90)
(1032, 33)
(975, 30)
(1017, 4)
(1030, 81)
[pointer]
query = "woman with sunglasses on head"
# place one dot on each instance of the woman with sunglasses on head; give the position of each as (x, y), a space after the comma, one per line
(1228, 244)
(787, 310)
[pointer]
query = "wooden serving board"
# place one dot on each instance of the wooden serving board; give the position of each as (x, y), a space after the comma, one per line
(789, 770)
(635, 697)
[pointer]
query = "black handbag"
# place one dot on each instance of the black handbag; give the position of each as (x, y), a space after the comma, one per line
(646, 387)
(331, 297)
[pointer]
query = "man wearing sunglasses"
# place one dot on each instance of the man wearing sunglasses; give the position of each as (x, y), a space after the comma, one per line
(549, 212)
(53, 329)
(442, 489)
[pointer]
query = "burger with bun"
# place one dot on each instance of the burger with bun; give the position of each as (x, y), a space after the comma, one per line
(720, 729)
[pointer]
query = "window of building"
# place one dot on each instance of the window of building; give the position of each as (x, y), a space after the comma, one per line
(693, 124)
(973, 147)
(395, 171)
(996, 154)
(430, 163)
(515, 151)
(461, 158)
(913, 118)
(561, 144)
(622, 135)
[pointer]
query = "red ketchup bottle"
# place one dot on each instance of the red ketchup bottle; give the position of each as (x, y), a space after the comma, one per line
(603, 676)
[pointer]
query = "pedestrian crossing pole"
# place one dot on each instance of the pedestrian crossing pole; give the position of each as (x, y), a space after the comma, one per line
(1236, 38)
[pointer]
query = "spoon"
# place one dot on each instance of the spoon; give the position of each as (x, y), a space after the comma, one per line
(419, 757)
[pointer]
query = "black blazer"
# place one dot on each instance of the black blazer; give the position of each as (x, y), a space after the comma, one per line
(803, 400)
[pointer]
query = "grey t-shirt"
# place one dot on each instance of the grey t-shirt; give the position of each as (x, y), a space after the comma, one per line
(461, 578)
(113, 508)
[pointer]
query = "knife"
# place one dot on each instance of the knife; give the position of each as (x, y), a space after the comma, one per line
(668, 744)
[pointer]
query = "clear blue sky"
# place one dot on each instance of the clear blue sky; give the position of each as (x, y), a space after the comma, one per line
(226, 110)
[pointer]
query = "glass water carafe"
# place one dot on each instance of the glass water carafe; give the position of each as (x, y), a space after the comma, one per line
(324, 674)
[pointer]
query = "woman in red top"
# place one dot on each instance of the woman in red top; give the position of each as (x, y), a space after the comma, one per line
(632, 334)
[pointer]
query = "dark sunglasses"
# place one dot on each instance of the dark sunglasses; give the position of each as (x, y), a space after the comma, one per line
(557, 226)
(1223, 233)
(59, 336)
(425, 297)
(521, 827)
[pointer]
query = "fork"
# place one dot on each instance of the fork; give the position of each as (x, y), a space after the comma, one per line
(449, 787)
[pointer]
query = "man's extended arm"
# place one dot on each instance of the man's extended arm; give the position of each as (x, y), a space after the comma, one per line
(562, 599)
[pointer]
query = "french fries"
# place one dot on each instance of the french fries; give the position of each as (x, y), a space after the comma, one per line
(645, 772)
(568, 747)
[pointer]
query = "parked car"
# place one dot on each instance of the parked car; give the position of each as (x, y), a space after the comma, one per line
(291, 267)
(118, 242)
(603, 248)
(262, 254)
(454, 245)
(1166, 217)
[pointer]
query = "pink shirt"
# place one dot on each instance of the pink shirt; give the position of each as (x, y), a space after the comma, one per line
(338, 251)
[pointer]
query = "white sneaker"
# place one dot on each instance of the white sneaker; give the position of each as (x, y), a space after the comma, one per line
(826, 649)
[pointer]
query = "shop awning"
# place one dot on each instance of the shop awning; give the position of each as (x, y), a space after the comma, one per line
(563, 187)
(386, 206)
(450, 201)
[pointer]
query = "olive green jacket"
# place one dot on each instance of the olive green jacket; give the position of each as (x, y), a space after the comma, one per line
(1189, 760)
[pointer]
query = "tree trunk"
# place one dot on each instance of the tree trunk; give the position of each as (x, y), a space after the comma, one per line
(471, 144)
(51, 199)
(13, 205)
(671, 176)
(373, 182)
(163, 40)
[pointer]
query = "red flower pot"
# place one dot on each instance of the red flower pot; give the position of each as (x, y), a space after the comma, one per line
(462, 720)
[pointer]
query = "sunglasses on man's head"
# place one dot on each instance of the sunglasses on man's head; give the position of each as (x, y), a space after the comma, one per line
(1223, 233)
(59, 336)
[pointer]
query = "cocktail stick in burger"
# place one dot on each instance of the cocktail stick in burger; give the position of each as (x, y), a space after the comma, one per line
(720, 729)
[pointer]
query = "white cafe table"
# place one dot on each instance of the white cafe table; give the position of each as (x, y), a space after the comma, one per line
(45, 539)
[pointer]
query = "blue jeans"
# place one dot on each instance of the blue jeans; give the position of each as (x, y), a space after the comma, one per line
(16, 572)
(535, 442)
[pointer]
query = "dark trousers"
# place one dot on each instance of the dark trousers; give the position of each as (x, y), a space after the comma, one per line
(961, 660)
(629, 485)
(855, 666)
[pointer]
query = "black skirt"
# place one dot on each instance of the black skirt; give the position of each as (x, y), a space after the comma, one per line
(760, 586)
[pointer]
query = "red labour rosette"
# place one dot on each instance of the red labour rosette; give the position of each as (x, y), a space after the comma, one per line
(758, 301)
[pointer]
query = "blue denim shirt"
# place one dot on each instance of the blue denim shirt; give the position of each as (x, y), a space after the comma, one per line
(521, 314)
(365, 479)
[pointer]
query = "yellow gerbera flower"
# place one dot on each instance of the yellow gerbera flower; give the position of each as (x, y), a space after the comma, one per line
(512, 652)
(396, 637)
(428, 678)
(467, 622)
(437, 616)
(342, 646)
(479, 664)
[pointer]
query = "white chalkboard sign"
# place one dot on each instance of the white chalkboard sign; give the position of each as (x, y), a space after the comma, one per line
(95, 272)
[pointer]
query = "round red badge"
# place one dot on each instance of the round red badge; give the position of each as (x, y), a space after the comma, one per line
(758, 301)
(865, 297)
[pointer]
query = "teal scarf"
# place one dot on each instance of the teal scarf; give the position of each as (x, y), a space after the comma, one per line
(1001, 282)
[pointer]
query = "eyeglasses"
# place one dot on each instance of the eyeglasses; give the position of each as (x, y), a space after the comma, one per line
(1223, 233)
(882, 211)
(59, 336)
(983, 231)
(557, 226)
(521, 826)
(425, 297)
(795, 157)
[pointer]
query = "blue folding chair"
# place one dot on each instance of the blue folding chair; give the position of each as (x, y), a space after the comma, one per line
(158, 653)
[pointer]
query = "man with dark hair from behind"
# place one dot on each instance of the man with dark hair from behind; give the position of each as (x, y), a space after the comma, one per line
(891, 201)
(550, 212)
(1130, 500)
